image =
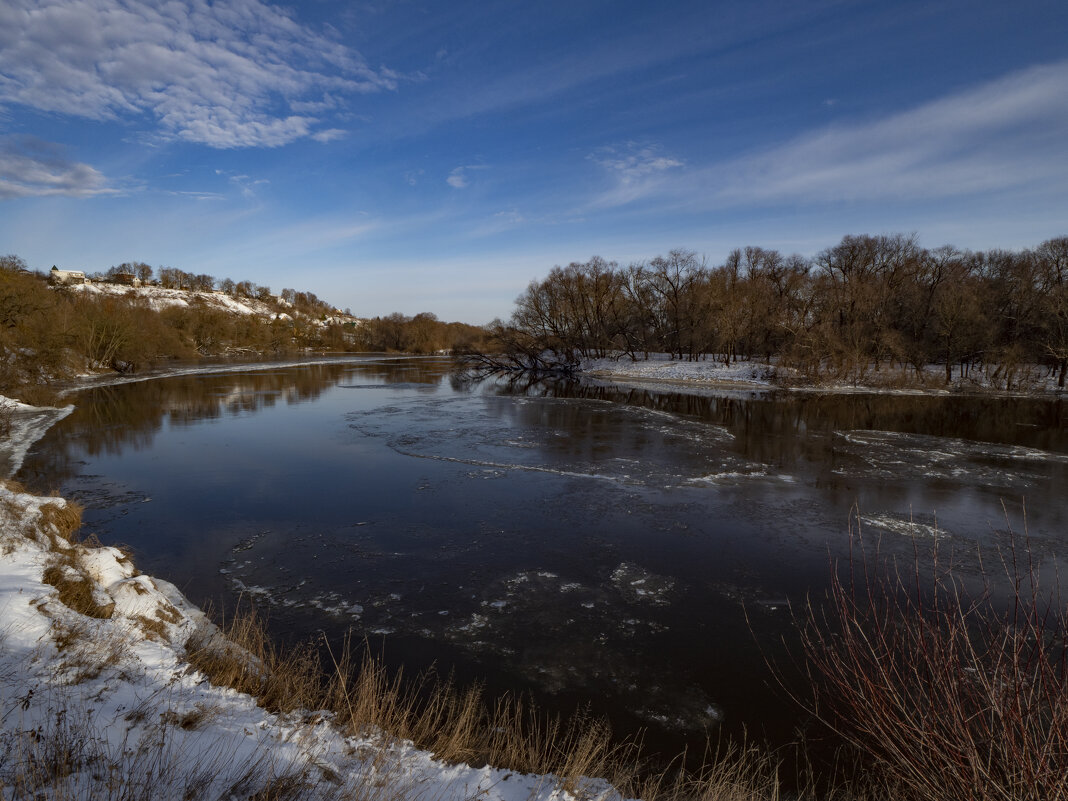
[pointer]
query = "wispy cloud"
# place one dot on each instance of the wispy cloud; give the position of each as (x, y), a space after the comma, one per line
(196, 195)
(329, 135)
(458, 177)
(1002, 135)
(633, 161)
(32, 168)
(233, 73)
(635, 169)
(245, 183)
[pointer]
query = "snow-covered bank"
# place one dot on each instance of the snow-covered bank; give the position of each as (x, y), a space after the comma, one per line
(660, 367)
(756, 375)
(98, 699)
(109, 379)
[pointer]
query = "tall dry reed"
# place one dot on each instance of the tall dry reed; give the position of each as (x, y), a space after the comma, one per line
(955, 696)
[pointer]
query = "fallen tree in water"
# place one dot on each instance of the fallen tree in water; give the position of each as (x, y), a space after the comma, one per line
(516, 350)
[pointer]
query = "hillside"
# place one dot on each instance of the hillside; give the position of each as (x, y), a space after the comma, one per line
(160, 298)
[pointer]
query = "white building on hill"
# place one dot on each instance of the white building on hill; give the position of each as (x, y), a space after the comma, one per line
(68, 276)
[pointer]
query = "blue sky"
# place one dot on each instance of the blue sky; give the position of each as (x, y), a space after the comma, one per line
(438, 156)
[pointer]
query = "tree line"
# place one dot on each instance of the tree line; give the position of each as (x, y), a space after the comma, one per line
(421, 333)
(864, 303)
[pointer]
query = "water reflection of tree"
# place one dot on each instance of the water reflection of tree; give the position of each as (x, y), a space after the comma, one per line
(423, 374)
(783, 428)
(109, 420)
(1034, 422)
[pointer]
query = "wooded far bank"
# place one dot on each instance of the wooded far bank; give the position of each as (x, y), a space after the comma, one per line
(54, 329)
(868, 301)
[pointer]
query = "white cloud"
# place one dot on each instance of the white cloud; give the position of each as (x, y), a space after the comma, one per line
(247, 185)
(233, 73)
(1006, 134)
(458, 178)
(31, 168)
(329, 135)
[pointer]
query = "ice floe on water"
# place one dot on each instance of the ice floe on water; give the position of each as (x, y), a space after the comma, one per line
(886, 454)
(567, 437)
(637, 584)
(560, 633)
(745, 475)
(689, 713)
(906, 525)
(294, 594)
(585, 628)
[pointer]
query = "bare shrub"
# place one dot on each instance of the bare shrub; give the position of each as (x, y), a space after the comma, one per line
(37, 394)
(954, 696)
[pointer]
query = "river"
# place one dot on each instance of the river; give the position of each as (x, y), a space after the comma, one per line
(636, 549)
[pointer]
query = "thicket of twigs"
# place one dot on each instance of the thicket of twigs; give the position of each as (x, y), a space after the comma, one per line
(948, 695)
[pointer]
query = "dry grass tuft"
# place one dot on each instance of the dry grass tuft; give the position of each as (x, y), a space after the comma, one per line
(84, 655)
(76, 591)
(150, 627)
(192, 719)
(459, 725)
(67, 636)
(167, 613)
(64, 518)
(248, 661)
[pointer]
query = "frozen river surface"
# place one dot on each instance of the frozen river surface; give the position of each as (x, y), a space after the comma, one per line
(583, 542)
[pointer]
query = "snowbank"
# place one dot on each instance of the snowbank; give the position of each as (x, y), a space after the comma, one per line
(101, 703)
(660, 367)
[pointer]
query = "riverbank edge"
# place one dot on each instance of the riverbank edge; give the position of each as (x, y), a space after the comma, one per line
(711, 375)
(94, 667)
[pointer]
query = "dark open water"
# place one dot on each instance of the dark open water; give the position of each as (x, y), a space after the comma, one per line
(585, 542)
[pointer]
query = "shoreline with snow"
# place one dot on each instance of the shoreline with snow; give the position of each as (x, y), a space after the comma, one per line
(209, 367)
(712, 374)
(104, 686)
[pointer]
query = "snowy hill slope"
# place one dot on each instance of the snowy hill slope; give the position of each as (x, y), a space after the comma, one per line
(159, 298)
